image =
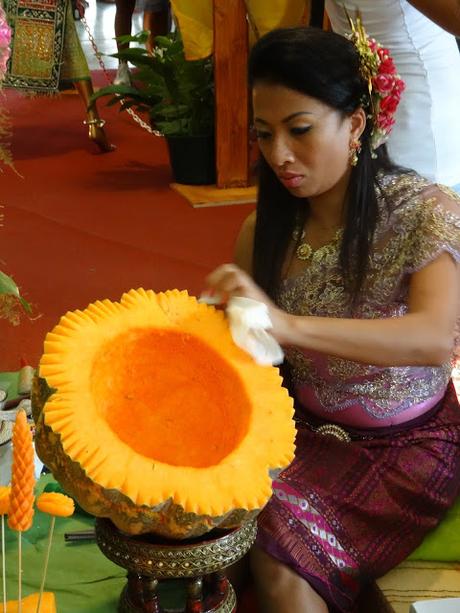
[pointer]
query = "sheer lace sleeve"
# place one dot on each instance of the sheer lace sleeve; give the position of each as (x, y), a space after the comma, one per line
(432, 228)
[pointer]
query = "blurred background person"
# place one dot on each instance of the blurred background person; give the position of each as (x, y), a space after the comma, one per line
(420, 35)
(157, 20)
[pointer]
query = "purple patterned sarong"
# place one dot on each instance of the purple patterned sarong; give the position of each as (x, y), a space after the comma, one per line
(345, 513)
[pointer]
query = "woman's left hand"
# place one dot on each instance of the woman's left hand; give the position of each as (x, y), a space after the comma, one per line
(229, 280)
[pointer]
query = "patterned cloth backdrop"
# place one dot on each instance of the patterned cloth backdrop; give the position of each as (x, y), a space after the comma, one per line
(45, 46)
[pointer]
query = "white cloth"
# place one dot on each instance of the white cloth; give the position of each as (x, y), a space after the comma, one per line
(426, 136)
(249, 321)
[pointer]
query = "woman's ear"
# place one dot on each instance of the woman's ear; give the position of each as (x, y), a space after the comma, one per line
(357, 123)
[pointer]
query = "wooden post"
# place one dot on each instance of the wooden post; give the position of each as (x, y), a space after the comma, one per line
(230, 76)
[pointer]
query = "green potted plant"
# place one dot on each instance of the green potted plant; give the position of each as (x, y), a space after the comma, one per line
(178, 96)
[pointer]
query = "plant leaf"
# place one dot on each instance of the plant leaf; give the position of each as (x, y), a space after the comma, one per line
(178, 93)
(7, 285)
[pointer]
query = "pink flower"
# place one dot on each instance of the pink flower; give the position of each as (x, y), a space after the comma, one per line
(387, 66)
(373, 45)
(3, 62)
(5, 41)
(389, 104)
(5, 33)
(5, 30)
(383, 83)
(399, 86)
(386, 85)
(385, 122)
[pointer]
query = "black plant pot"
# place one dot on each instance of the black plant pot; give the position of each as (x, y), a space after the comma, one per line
(193, 159)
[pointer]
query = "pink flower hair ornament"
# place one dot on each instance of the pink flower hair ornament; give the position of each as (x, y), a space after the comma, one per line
(384, 85)
(5, 41)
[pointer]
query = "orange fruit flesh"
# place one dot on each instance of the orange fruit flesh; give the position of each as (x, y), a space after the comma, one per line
(170, 397)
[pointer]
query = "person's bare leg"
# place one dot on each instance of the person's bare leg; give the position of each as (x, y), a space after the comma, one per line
(157, 23)
(95, 124)
(238, 574)
(123, 18)
(280, 589)
(123, 22)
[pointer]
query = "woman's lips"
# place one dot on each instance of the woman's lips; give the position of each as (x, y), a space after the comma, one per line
(290, 180)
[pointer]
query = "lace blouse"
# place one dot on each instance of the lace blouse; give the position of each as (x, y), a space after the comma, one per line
(418, 221)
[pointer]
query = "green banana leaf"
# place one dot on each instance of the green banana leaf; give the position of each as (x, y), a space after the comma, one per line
(8, 286)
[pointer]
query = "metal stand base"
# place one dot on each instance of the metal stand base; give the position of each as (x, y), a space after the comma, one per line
(199, 563)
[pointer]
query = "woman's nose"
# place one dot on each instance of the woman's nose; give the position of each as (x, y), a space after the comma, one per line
(280, 153)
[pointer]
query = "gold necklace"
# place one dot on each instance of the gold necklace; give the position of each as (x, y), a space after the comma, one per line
(305, 251)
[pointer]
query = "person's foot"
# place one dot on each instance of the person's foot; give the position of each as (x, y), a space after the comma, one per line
(123, 76)
(97, 134)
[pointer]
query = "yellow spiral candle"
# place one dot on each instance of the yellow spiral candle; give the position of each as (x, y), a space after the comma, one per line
(21, 509)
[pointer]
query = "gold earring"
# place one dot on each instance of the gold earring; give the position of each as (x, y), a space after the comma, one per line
(354, 151)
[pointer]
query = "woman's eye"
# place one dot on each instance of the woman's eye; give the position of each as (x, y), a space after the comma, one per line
(261, 135)
(300, 131)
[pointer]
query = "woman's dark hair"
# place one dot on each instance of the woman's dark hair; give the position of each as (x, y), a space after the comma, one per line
(324, 66)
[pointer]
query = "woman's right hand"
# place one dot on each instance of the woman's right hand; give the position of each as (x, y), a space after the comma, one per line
(229, 281)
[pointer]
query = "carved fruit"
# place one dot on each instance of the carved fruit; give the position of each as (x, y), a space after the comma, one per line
(29, 604)
(149, 414)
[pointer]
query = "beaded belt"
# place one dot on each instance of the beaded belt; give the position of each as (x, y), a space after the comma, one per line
(335, 430)
(356, 434)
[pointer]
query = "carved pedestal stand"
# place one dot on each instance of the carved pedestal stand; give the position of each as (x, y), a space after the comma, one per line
(201, 562)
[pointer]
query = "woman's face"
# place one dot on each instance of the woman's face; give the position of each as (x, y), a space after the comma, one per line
(303, 140)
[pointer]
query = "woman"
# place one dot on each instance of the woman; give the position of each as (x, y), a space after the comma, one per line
(47, 54)
(75, 69)
(156, 21)
(357, 263)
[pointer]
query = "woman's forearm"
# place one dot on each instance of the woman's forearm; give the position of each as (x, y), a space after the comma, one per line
(446, 13)
(410, 340)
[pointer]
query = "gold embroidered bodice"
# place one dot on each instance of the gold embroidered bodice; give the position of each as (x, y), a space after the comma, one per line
(418, 221)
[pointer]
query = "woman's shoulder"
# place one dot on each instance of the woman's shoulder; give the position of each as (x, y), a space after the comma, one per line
(247, 231)
(419, 220)
(249, 223)
(406, 196)
(245, 243)
(397, 187)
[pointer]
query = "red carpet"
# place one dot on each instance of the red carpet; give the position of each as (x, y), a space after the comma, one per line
(81, 226)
